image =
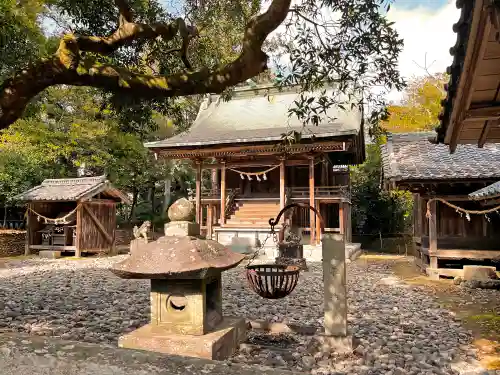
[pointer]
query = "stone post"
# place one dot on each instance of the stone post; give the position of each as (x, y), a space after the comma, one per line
(335, 337)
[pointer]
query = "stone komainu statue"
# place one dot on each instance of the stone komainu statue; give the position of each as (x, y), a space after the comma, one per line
(142, 231)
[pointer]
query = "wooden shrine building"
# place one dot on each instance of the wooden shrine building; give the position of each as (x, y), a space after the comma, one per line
(72, 215)
(246, 172)
(444, 239)
(471, 109)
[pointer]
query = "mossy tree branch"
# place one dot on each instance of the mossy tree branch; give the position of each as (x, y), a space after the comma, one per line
(69, 67)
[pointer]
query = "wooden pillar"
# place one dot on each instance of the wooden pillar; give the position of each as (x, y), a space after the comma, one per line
(348, 207)
(79, 223)
(318, 224)
(27, 250)
(215, 214)
(341, 218)
(282, 183)
(215, 181)
(433, 238)
(312, 216)
(223, 194)
(210, 219)
(198, 192)
(324, 173)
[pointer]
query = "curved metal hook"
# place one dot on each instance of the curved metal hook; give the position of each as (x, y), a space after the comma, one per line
(273, 222)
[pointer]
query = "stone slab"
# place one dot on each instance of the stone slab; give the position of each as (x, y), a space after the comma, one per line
(49, 254)
(35, 355)
(219, 344)
(479, 273)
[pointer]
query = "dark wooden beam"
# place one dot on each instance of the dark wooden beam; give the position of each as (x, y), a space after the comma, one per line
(223, 195)
(477, 42)
(198, 193)
(433, 235)
(247, 150)
(282, 183)
(484, 113)
(484, 133)
(312, 201)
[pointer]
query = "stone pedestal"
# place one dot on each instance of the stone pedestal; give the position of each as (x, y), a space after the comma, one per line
(182, 229)
(49, 254)
(219, 344)
(290, 254)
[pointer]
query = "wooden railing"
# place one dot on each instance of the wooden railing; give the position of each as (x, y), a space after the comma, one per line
(321, 192)
(231, 201)
(291, 193)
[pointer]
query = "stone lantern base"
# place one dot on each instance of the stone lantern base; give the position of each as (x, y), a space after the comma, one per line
(291, 255)
(218, 344)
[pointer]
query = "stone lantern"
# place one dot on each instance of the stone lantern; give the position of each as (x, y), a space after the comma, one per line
(186, 295)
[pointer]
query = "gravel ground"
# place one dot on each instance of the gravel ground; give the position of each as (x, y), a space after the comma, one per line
(399, 329)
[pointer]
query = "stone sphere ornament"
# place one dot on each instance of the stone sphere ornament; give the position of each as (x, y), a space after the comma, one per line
(181, 210)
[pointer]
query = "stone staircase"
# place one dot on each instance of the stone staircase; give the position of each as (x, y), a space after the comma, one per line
(253, 214)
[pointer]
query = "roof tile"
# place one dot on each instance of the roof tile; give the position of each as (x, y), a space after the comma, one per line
(411, 156)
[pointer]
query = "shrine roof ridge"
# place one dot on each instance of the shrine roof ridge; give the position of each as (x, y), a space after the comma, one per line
(410, 156)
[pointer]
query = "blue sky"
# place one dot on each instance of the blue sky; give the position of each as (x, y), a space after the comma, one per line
(414, 4)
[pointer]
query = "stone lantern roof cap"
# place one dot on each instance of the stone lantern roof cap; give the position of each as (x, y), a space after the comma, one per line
(175, 257)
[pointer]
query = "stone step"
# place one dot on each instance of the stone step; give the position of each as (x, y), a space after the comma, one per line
(259, 214)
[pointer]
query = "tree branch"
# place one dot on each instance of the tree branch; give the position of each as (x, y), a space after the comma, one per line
(67, 66)
(129, 32)
(126, 14)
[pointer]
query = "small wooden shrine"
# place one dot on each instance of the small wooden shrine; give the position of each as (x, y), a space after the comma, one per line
(73, 215)
(471, 109)
(247, 172)
(445, 239)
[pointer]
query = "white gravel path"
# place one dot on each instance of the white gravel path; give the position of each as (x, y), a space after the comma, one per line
(400, 329)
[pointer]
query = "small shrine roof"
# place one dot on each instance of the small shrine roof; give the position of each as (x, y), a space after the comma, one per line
(71, 189)
(410, 156)
(488, 192)
(172, 257)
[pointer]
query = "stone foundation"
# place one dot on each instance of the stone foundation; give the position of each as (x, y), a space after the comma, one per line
(219, 344)
(12, 243)
(33, 355)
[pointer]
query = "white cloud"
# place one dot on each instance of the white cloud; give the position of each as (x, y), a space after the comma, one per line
(427, 35)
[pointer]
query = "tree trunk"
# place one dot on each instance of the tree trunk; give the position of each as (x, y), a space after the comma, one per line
(5, 216)
(167, 195)
(133, 206)
(153, 202)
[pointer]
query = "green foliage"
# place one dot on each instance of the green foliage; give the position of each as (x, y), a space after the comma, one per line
(420, 107)
(374, 210)
(21, 39)
(348, 44)
(72, 129)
